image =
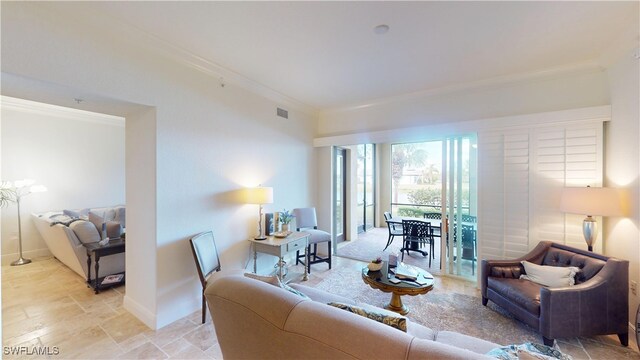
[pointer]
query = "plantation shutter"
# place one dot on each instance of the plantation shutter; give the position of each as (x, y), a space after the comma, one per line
(521, 176)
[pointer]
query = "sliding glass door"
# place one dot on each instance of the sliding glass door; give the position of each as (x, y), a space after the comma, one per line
(459, 180)
(436, 181)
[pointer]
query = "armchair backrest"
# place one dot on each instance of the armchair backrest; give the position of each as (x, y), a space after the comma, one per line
(305, 218)
(205, 254)
(387, 216)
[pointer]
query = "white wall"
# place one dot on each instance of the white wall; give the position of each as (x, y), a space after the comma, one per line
(622, 149)
(209, 142)
(78, 156)
(569, 91)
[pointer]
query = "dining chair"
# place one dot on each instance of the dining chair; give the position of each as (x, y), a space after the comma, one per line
(469, 246)
(307, 221)
(207, 261)
(437, 230)
(417, 233)
(394, 229)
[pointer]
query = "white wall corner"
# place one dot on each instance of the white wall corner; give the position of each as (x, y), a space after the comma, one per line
(627, 44)
(143, 314)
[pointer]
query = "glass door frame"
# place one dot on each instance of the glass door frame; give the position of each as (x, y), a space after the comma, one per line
(368, 223)
(339, 151)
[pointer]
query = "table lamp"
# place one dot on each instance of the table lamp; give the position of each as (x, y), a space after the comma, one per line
(591, 201)
(259, 195)
(23, 188)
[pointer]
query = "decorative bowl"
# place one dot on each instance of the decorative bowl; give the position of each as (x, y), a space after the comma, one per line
(375, 266)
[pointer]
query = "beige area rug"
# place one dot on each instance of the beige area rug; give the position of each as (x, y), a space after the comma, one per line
(443, 309)
(438, 310)
(370, 245)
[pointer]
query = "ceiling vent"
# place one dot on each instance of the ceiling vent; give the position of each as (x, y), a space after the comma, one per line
(283, 113)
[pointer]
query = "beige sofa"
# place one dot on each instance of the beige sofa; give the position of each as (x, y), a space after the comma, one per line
(256, 320)
(66, 247)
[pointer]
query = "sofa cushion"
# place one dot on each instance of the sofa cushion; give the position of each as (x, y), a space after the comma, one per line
(465, 341)
(588, 266)
(395, 321)
(321, 296)
(275, 281)
(120, 215)
(317, 236)
(77, 214)
(525, 293)
(551, 276)
(85, 231)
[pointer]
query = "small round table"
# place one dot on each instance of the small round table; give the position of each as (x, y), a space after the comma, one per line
(381, 280)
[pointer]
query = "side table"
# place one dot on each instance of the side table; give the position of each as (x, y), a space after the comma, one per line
(279, 247)
(95, 252)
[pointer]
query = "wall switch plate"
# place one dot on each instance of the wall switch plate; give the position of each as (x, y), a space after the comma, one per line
(633, 286)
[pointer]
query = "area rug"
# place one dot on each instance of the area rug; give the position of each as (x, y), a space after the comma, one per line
(370, 245)
(439, 309)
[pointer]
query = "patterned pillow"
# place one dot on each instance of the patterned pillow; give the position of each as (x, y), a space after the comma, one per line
(275, 281)
(528, 351)
(396, 322)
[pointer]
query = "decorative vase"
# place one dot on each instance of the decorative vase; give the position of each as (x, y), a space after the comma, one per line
(285, 227)
(375, 266)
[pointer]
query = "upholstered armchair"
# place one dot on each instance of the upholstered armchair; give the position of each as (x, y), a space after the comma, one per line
(597, 304)
(306, 221)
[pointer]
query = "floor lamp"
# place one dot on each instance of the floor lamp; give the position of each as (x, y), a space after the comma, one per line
(23, 188)
(591, 201)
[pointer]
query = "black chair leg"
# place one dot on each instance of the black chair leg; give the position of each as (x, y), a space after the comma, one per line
(297, 257)
(391, 237)
(548, 342)
(329, 252)
(204, 307)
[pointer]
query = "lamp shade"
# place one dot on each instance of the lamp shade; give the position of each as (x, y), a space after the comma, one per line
(259, 195)
(591, 201)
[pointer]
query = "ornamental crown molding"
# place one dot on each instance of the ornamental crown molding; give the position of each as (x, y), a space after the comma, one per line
(33, 107)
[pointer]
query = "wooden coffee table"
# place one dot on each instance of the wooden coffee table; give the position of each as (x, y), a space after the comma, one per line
(381, 280)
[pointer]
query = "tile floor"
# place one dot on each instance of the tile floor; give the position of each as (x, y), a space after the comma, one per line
(44, 304)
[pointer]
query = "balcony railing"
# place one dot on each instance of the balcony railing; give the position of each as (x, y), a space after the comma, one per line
(417, 210)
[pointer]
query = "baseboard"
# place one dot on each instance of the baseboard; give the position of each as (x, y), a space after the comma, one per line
(140, 312)
(7, 259)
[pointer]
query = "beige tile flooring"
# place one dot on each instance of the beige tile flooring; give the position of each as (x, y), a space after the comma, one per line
(44, 304)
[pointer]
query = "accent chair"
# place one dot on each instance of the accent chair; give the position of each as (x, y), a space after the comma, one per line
(307, 221)
(207, 261)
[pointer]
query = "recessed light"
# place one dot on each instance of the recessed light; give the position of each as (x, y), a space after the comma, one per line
(381, 29)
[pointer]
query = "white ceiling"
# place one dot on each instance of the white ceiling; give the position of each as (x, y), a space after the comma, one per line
(325, 54)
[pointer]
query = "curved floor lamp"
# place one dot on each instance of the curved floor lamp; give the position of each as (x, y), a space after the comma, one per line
(22, 189)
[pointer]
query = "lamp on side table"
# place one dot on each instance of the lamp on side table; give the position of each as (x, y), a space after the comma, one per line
(591, 201)
(260, 196)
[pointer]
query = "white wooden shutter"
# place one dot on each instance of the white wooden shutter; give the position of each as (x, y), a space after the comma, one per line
(521, 176)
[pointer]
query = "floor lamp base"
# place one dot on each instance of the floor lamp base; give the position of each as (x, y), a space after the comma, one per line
(21, 261)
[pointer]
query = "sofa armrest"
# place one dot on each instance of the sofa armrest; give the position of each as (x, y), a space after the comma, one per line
(597, 306)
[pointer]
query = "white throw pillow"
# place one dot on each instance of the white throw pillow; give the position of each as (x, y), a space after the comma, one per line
(551, 276)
